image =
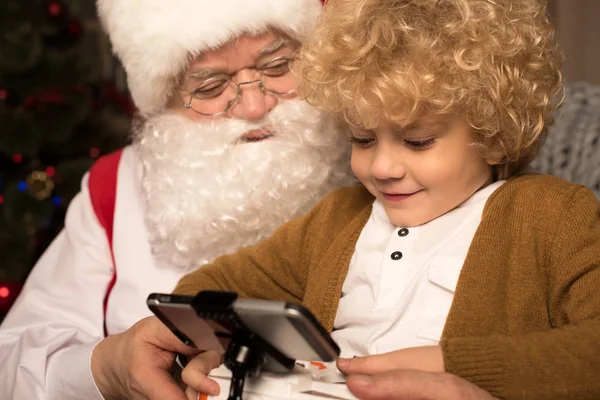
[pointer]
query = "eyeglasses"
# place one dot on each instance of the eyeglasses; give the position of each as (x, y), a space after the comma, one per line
(217, 94)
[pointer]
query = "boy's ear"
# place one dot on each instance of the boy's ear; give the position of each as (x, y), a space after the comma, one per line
(493, 161)
(494, 153)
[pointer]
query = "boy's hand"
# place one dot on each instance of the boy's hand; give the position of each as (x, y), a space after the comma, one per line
(402, 384)
(415, 373)
(136, 364)
(428, 358)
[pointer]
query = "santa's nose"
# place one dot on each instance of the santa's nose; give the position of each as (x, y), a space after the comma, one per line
(254, 103)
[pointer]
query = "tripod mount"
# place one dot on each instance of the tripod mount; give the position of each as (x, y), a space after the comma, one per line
(247, 353)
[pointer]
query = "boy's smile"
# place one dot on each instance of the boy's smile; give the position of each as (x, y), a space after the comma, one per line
(421, 172)
(398, 197)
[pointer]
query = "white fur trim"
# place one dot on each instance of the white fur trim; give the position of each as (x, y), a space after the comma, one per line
(154, 39)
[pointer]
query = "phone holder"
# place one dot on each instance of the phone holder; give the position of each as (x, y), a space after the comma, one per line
(247, 353)
(245, 356)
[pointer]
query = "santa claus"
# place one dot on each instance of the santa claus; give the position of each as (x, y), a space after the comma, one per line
(223, 153)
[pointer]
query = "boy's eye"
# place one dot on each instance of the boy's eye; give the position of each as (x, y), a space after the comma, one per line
(361, 142)
(419, 144)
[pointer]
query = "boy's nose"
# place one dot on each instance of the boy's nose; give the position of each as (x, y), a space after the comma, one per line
(387, 164)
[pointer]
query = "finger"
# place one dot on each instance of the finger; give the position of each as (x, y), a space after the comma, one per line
(369, 365)
(195, 373)
(192, 394)
(149, 368)
(162, 386)
(399, 384)
(156, 333)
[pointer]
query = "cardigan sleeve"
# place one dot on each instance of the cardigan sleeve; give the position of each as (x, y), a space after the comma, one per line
(562, 362)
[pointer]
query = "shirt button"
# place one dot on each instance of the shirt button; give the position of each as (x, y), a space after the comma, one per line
(396, 255)
(403, 232)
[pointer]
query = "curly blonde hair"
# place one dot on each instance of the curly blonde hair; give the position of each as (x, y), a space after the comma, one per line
(493, 62)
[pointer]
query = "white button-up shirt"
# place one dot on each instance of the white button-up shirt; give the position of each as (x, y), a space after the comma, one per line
(401, 281)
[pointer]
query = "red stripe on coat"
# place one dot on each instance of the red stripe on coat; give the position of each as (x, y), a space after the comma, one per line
(103, 193)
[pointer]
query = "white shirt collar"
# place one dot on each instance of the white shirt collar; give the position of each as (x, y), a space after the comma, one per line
(437, 231)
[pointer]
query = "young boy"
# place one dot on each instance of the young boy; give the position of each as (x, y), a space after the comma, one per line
(447, 255)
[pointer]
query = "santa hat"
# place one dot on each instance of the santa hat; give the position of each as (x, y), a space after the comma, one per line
(154, 39)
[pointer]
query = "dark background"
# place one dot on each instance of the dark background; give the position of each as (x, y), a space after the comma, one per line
(63, 104)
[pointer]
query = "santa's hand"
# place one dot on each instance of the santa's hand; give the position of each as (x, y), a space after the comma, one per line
(414, 385)
(195, 374)
(427, 358)
(136, 364)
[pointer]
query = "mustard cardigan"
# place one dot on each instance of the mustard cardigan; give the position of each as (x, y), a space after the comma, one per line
(525, 320)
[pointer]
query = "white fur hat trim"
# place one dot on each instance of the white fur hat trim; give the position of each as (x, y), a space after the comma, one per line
(154, 39)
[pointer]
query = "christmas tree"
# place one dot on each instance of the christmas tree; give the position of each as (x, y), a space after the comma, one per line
(56, 118)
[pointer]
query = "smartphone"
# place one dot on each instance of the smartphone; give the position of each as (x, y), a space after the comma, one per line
(179, 315)
(209, 319)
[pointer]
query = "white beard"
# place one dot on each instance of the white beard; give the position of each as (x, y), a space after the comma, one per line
(207, 195)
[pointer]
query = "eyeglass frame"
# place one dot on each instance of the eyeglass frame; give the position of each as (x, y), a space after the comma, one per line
(238, 93)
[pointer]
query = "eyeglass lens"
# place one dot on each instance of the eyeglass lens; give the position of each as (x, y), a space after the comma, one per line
(216, 95)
